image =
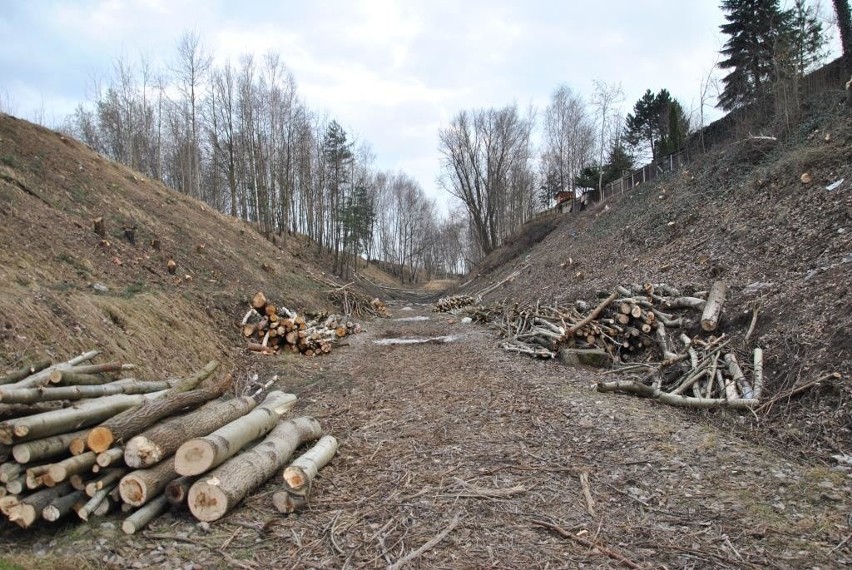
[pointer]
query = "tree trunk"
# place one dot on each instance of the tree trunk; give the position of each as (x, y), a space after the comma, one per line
(42, 377)
(299, 476)
(178, 490)
(30, 508)
(161, 441)
(110, 457)
(713, 308)
(127, 424)
(26, 371)
(89, 507)
(105, 480)
(67, 467)
(138, 520)
(201, 454)
(142, 485)
(83, 414)
(60, 507)
(211, 497)
(33, 395)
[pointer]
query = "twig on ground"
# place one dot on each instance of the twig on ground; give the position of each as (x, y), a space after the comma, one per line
(430, 544)
(588, 544)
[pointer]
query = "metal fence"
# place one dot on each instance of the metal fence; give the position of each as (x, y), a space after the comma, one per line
(647, 173)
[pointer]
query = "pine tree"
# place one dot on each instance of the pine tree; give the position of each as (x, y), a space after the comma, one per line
(754, 27)
(659, 122)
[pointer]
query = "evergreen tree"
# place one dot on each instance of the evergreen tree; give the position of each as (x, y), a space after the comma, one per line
(753, 27)
(618, 162)
(337, 154)
(658, 122)
(804, 38)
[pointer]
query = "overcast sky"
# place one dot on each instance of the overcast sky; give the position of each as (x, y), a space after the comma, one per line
(392, 72)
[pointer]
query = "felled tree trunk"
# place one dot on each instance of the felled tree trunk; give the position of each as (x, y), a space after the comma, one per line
(83, 414)
(42, 377)
(140, 519)
(62, 470)
(125, 425)
(713, 308)
(21, 373)
(161, 441)
(299, 476)
(212, 496)
(142, 485)
(60, 507)
(32, 395)
(177, 490)
(30, 508)
(201, 454)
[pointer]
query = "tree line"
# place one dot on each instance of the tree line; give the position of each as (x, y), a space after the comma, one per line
(239, 137)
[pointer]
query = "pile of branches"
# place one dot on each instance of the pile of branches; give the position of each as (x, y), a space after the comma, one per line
(670, 334)
(269, 328)
(140, 447)
(453, 303)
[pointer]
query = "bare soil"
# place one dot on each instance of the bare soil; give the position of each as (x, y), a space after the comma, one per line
(461, 431)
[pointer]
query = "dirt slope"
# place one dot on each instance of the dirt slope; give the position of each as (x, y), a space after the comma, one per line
(742, 214)
(51, 188)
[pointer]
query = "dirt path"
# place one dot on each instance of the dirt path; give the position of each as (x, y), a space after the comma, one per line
(462, 442)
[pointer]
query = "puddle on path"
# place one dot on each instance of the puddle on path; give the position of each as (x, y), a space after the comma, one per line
(421, 340)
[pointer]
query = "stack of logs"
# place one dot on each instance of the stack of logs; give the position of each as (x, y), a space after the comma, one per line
(269, 328)
(92, 445)
(453, 303)
(633, 328)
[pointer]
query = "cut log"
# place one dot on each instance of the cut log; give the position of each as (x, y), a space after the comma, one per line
(258, 302)
(42, 377)
(62, 470)
(140, 486)
(737, 377)
(178, 490)
(106, 480)
(109, 457)
(93, 503)
(125, 425)
(82, 414)
(202, 454)
(212, 496)
(32, 395)
(140, 519)
(29, 510)
(299, 476)
(25, 372)
(70, 378)
(35, 476)
(163, 440)
(713, 308)
(9, 471)
(17, 485)
(593, 315)
(60, 507)
(685, 303)
(758, 373)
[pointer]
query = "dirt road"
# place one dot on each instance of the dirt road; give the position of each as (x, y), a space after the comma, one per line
(455, 454)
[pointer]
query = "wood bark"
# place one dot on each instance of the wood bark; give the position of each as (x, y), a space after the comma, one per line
(33, 395)
(69, 378)
(140, 486)
(109, 457)
(304, 469)
(42, 377)
(212, 496)
(140, 519)
(17, 485)
(83, 414)
(60, 507)
(26, 371)
(9, 471)
(30, 508)
(106, 480)
(35, 476)
(177, 490)
(125, 425)
(62, 470)
(713, 308)
(202, 454)
(89, 507)
(758, 373)
(163, 440)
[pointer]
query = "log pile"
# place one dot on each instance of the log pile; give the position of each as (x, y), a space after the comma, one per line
(453, 303)
(115, 446)
(270, 328)
(670, 334)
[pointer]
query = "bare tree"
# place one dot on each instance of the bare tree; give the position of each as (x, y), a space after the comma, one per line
(480, 151)
(190, 72)
(605, 100)
(569, 138)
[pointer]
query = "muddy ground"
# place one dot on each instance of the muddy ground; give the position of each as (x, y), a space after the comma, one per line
(481, 456)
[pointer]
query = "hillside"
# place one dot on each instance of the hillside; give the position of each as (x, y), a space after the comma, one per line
(64, 289)
(740, 213)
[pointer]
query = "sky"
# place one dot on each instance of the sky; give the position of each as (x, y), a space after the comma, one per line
(391, 72)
